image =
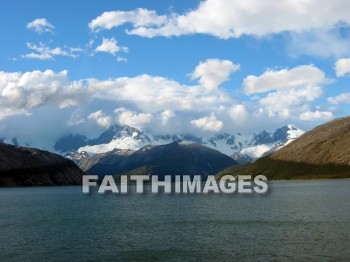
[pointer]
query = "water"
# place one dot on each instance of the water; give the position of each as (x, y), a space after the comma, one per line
(296, 221)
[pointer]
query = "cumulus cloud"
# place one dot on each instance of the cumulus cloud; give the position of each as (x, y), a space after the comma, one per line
(44, 52)
(21, 92)
(316, 115)
(282, 103)
(101, 119)
(213, 72)
(238, 113)
(147, 101)
(305, 75)
(153, 93)
(166, 115)
(208, 123)
(40, 25)
(289, 91)
(130, 118)
(139, 17)
(342, 67)
(110, 45)
(340, 99)
(230, 18)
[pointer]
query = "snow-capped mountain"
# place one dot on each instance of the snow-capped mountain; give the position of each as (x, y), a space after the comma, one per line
(126, 137)
(179, 157)
(77, 157)
(267, 143)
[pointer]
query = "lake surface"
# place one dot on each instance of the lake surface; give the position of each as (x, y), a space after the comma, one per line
(295, 221)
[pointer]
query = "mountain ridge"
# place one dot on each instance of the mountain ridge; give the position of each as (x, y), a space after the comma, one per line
(323, 152)
(126, 137)
(176, 158)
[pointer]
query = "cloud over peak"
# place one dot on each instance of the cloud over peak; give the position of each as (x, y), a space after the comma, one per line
(208, 123)
(101, 119)
(131, 118)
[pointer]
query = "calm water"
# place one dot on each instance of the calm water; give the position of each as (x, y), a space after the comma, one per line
(296, 221)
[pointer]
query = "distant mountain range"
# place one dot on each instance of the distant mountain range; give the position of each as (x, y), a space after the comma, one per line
(243, 148)
(23, 166)
(176, 158)
(323, 152)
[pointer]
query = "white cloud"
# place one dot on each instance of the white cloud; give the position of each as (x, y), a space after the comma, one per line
(166, 115)
(231, 18)
(213, 72)
(21, 92)
(289, 91)
(44, 52)
(40, 25)
(110, 45)
(305, 75)
(342, 66)
(208, 123)
(39, 56)
(127, 117)
(138, 17)
(316, 115)
(154, 94)
(238, 113)
(146, 101)
(282, 103)
(101, 119)
(340, 99)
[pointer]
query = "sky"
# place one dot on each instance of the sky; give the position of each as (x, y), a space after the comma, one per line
(169, 66)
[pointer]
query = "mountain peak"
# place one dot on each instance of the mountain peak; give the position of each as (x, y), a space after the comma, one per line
(185, 142)
(321, 153)
(292, 127)
(127, 137)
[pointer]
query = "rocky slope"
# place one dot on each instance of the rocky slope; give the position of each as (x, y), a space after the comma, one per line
(323, 152)
(22, 166)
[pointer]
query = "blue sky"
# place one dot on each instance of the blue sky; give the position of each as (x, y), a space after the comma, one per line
(171, 66)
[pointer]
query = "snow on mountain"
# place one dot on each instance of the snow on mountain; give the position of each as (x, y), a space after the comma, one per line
(241, 146)
(294, 132)
(77, 156)
(124, 137)
(255, 152)
(121, 143)
(135, 139)
(281, 137)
